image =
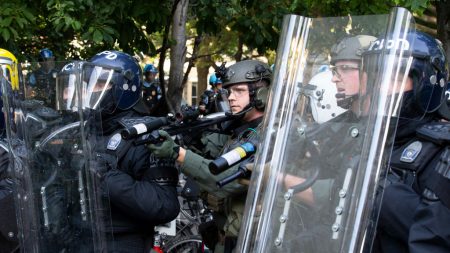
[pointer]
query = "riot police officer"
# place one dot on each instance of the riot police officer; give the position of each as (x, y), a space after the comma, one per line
(10, 70)
(247, 85)
(8, 227)
(141, 188)
(207, 99)
(151, 91)
(415, 207)
(9, 81)
(43, 80)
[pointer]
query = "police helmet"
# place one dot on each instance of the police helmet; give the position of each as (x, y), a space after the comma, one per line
(429, 71)
(250, 72)
(150, 68)
(113, 80)
(10, 68)
(214, 80)
(45, 54)
(323, 102)
(351, 48)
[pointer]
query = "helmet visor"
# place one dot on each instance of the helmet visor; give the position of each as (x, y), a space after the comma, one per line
(97, 84)
(394, 82)
(66, 92)
(6, 72)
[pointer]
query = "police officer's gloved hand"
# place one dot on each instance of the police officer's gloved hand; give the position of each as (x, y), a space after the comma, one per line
(101, 163)
(167, 149)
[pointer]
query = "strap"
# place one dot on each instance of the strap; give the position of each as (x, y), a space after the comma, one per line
(438, 182)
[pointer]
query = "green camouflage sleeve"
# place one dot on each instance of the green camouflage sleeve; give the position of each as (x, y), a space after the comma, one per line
(196, 167)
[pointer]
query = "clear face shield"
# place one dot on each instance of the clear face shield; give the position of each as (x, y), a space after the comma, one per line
(98, 81)
(391, 57)
(66, 87)
(5, 69)
(314, 184)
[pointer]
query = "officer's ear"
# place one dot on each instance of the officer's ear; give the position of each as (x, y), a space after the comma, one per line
(261, 98)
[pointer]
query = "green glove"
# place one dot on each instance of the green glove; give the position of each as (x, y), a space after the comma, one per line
(166, 149)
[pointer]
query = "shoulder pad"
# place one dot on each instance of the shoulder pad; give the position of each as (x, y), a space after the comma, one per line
(436, 132)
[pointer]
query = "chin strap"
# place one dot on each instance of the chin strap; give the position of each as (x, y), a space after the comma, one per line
(443, 110)
(246, 109)
(345, 101)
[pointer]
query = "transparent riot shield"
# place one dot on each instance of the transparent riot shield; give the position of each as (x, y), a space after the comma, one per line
(316, 179)
(59, 200)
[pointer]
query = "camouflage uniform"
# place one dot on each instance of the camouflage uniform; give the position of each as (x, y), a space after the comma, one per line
(228, 201)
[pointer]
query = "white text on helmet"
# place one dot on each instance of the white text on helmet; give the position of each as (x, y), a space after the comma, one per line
(109, 55)
(389, 44)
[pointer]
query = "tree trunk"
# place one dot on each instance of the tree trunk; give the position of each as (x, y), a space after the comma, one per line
(163, 105)
(177, 56)
(202, 85)
(192, 60)
(443, 25)
(238, 55)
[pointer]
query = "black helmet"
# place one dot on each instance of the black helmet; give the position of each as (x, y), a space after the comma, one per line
(429, 71)
(120, 78)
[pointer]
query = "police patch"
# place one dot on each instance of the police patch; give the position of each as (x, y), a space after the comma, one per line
(114, 142)
(411, 152)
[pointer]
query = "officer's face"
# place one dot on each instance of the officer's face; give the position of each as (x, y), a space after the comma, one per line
(346, 77)
(238, 96)
(48, 63)
(150, 77)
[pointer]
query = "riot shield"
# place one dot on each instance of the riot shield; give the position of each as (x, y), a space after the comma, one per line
(317, 179)
(59, 201)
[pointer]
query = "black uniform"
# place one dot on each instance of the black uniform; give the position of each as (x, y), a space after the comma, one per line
(8, 225)
(43, 84)
(207, 99)
(142, 189)
(151, 94)
(415, 209)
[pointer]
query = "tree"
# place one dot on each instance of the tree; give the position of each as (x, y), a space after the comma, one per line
(225, 28)
(443, 24)
(177, 55)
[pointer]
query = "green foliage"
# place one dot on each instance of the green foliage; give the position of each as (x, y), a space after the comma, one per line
(134, 25)
(14, 19)
(80, 28)
(228, 28)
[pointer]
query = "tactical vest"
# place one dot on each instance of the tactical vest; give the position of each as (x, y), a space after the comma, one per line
(424, 162)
